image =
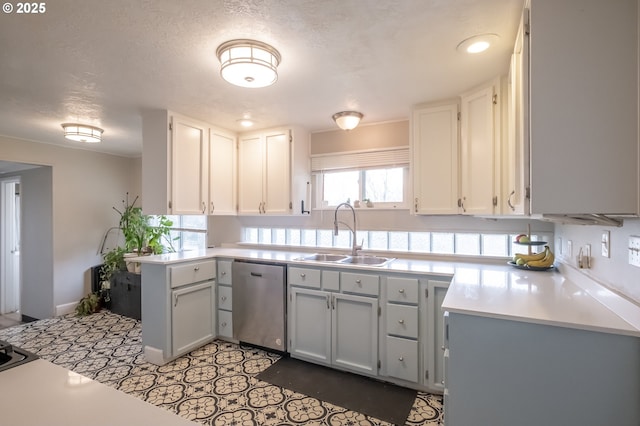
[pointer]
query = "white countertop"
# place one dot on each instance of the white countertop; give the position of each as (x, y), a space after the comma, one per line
(564, 298)
(41, 393)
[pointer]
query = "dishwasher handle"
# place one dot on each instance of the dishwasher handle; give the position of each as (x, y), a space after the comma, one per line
(256, 274)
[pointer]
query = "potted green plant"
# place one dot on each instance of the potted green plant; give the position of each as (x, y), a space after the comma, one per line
(88, 304)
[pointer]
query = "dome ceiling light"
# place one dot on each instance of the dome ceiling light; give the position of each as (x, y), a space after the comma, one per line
(478, 43)
(248, 63)
(347, 120)
(82, 133)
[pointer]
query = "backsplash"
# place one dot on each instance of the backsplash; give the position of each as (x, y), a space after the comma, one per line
(615, 271)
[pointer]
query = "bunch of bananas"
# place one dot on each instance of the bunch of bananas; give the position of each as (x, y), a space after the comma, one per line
(544, 259)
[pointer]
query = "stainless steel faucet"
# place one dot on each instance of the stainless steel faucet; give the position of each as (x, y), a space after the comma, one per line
(355, 247)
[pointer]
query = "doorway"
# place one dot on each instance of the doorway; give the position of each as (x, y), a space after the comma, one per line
(10, 245)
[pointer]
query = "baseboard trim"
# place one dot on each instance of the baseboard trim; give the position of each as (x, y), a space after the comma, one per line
(65, 309)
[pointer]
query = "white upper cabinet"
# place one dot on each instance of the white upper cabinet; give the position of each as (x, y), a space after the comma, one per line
(434, 158)
(479, 149)
(584, 106)
(515, 177)
(188, 167)
(222, 172)
(273, 170)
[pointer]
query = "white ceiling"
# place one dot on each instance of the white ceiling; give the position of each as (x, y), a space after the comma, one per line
(103, 62)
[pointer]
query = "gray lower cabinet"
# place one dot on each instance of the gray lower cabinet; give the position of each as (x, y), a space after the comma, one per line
(333, 328)
(504, 373)
(434, 353)
(225, 300)
(178, 308)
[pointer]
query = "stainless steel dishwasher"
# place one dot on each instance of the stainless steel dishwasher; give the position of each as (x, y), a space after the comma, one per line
(259, 304)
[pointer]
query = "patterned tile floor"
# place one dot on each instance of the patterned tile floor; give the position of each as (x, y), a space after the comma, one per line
(213, 385)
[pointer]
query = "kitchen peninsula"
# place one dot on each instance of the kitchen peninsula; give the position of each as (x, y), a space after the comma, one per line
(553, 339)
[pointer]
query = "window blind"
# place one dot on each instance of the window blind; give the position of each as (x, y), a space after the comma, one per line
(360, 159)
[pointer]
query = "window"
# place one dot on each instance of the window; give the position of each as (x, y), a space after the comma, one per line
(384, 187)
(187, 232)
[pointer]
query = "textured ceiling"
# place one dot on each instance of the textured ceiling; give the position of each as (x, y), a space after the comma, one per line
(103, 62)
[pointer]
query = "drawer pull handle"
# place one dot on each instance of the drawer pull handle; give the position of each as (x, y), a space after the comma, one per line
(302, 275)
(197, 268)
(401, 359)
(358, 281)
(401, 321)
(401, 291)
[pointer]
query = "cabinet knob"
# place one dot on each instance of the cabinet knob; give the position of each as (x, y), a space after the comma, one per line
(224, 324)
(401, 321)
(401, 358)
(197, 268)
(303, 275)
(442, 347)
(223, 298)
(358, 281)
(401, 291)
(223, 273)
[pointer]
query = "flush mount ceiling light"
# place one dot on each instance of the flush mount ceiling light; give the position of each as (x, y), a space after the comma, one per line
(245, 122)
(82, 132)
(477, 43)
(248, 63)
(347, 120)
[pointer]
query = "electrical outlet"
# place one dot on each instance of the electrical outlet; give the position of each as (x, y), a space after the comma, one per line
(587, 253)
(604, 241)
(634, 250)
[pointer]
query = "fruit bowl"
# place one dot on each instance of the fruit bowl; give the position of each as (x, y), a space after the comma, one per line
(529, 268)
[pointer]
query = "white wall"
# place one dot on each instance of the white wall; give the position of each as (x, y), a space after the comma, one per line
(85, 187)
(615, 272)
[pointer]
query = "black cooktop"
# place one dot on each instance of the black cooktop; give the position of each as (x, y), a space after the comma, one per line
(11, 356)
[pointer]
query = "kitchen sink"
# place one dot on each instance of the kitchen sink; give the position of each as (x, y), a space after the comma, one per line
(367, 260)
(352, 260)
(325, 257)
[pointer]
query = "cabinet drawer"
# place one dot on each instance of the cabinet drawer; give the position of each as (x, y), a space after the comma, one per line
(402, 358)
(304, 277)
(402, 290)
(224, 298)
(359, 283)
(192, 272)
(225, 324)
(224, 271)
(331, 281)
(402, 320)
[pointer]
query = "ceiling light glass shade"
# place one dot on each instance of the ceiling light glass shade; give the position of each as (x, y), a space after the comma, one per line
(248, 63)
(82, 133)
(347, 120)
(478, 43)
(245, 122)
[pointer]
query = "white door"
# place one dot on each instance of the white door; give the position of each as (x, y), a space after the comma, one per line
(10, 245)
(189, 155)
(354, 327)
(477, 160)
(222, 173)
(250, 174)
(310, 325)
(277, 173)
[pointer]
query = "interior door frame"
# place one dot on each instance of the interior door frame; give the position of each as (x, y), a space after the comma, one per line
(10, 232)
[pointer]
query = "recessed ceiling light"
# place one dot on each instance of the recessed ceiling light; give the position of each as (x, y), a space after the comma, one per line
(245, 122)
(477, 43)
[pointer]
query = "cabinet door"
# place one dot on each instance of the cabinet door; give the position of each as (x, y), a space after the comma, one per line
(477, 152)
(354, 327)
(516, 164)
(192, 317)
(434, 342)
(277, 173)
(189, 172)
(250, 172)
(310, 325)
(222, 173)
(434, 159)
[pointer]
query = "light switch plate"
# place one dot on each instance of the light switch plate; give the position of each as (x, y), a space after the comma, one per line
(569, 249)
(605, 241)
(634, 250)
